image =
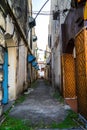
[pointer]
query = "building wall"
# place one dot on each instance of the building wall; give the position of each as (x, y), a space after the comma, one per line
(17, 56)
(56, 40)
(57, 68)
(2, 20)
(34, 43)
(22, 68)
(17, 51)
(12, 61)
(81, 71)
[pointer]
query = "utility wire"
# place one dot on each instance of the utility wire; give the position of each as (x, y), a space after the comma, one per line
(42, 14)
(50, 13)
(41, 9)
(43, 50)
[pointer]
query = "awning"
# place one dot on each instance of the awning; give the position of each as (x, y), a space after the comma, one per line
(34, 63)
(37, 67)
(31, 58)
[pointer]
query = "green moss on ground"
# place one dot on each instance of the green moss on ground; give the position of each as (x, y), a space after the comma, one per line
(58, 97)
(68, 121)
(15, 124)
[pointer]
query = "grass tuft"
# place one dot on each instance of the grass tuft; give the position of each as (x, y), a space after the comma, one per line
(34, 84)
(68, 121)
(14, 124)
(20, 99)
(58, 97)
(47, 82)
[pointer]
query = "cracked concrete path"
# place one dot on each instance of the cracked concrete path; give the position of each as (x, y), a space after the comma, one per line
(40, 106)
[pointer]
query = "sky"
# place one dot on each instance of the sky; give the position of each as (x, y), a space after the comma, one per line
(42, 22)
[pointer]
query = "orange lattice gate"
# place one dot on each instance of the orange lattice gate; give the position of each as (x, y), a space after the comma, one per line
(68, 76)
(81, 71)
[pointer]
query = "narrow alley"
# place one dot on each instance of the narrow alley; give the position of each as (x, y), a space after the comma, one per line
(43, 64)
(40, 107)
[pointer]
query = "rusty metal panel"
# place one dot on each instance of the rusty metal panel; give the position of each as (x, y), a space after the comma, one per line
(68, 68)
(81, 71)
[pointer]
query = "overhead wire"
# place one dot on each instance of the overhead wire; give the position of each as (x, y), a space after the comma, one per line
(48, 12)
(40, 13)
(41, 9)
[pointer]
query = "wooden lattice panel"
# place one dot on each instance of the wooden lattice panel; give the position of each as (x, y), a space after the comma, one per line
(81, 71)
(81, 64)
(80, 43)
(68, 67)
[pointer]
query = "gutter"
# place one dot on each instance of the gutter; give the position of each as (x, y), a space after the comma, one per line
(9, 10)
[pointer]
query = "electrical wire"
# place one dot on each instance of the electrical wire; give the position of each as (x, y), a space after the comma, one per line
(41, 9)
(43, 50)
(38, 13)
(49, 13)
(42, 14)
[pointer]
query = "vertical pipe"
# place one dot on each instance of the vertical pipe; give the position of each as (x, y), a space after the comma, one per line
(5, 80)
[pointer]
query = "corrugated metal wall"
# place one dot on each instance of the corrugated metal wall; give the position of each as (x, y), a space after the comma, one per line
(81, 71)
(68, 73)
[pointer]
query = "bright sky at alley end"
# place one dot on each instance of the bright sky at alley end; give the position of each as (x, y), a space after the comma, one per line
(42, 22)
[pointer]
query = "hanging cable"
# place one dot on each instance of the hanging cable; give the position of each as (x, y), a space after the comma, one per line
(41, 9)
(50, 13)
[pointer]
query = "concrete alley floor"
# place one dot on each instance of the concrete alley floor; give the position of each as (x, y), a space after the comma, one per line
(40, 106)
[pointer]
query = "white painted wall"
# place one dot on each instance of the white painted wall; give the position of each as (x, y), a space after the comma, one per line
(55, 31)
(12, 62)
(17, 59)
(9, 25)
(57, 67)
(2, 20)
(22, 68)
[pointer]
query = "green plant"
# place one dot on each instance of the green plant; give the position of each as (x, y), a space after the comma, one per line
(59, 97)
(34, 84)
(15, 124)
(20, 99)
(68, 121)
(47, 82)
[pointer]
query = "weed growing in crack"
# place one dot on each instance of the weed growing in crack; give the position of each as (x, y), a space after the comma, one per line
(57, 96)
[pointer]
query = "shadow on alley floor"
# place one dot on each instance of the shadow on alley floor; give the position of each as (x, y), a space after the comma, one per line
(40, 106)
